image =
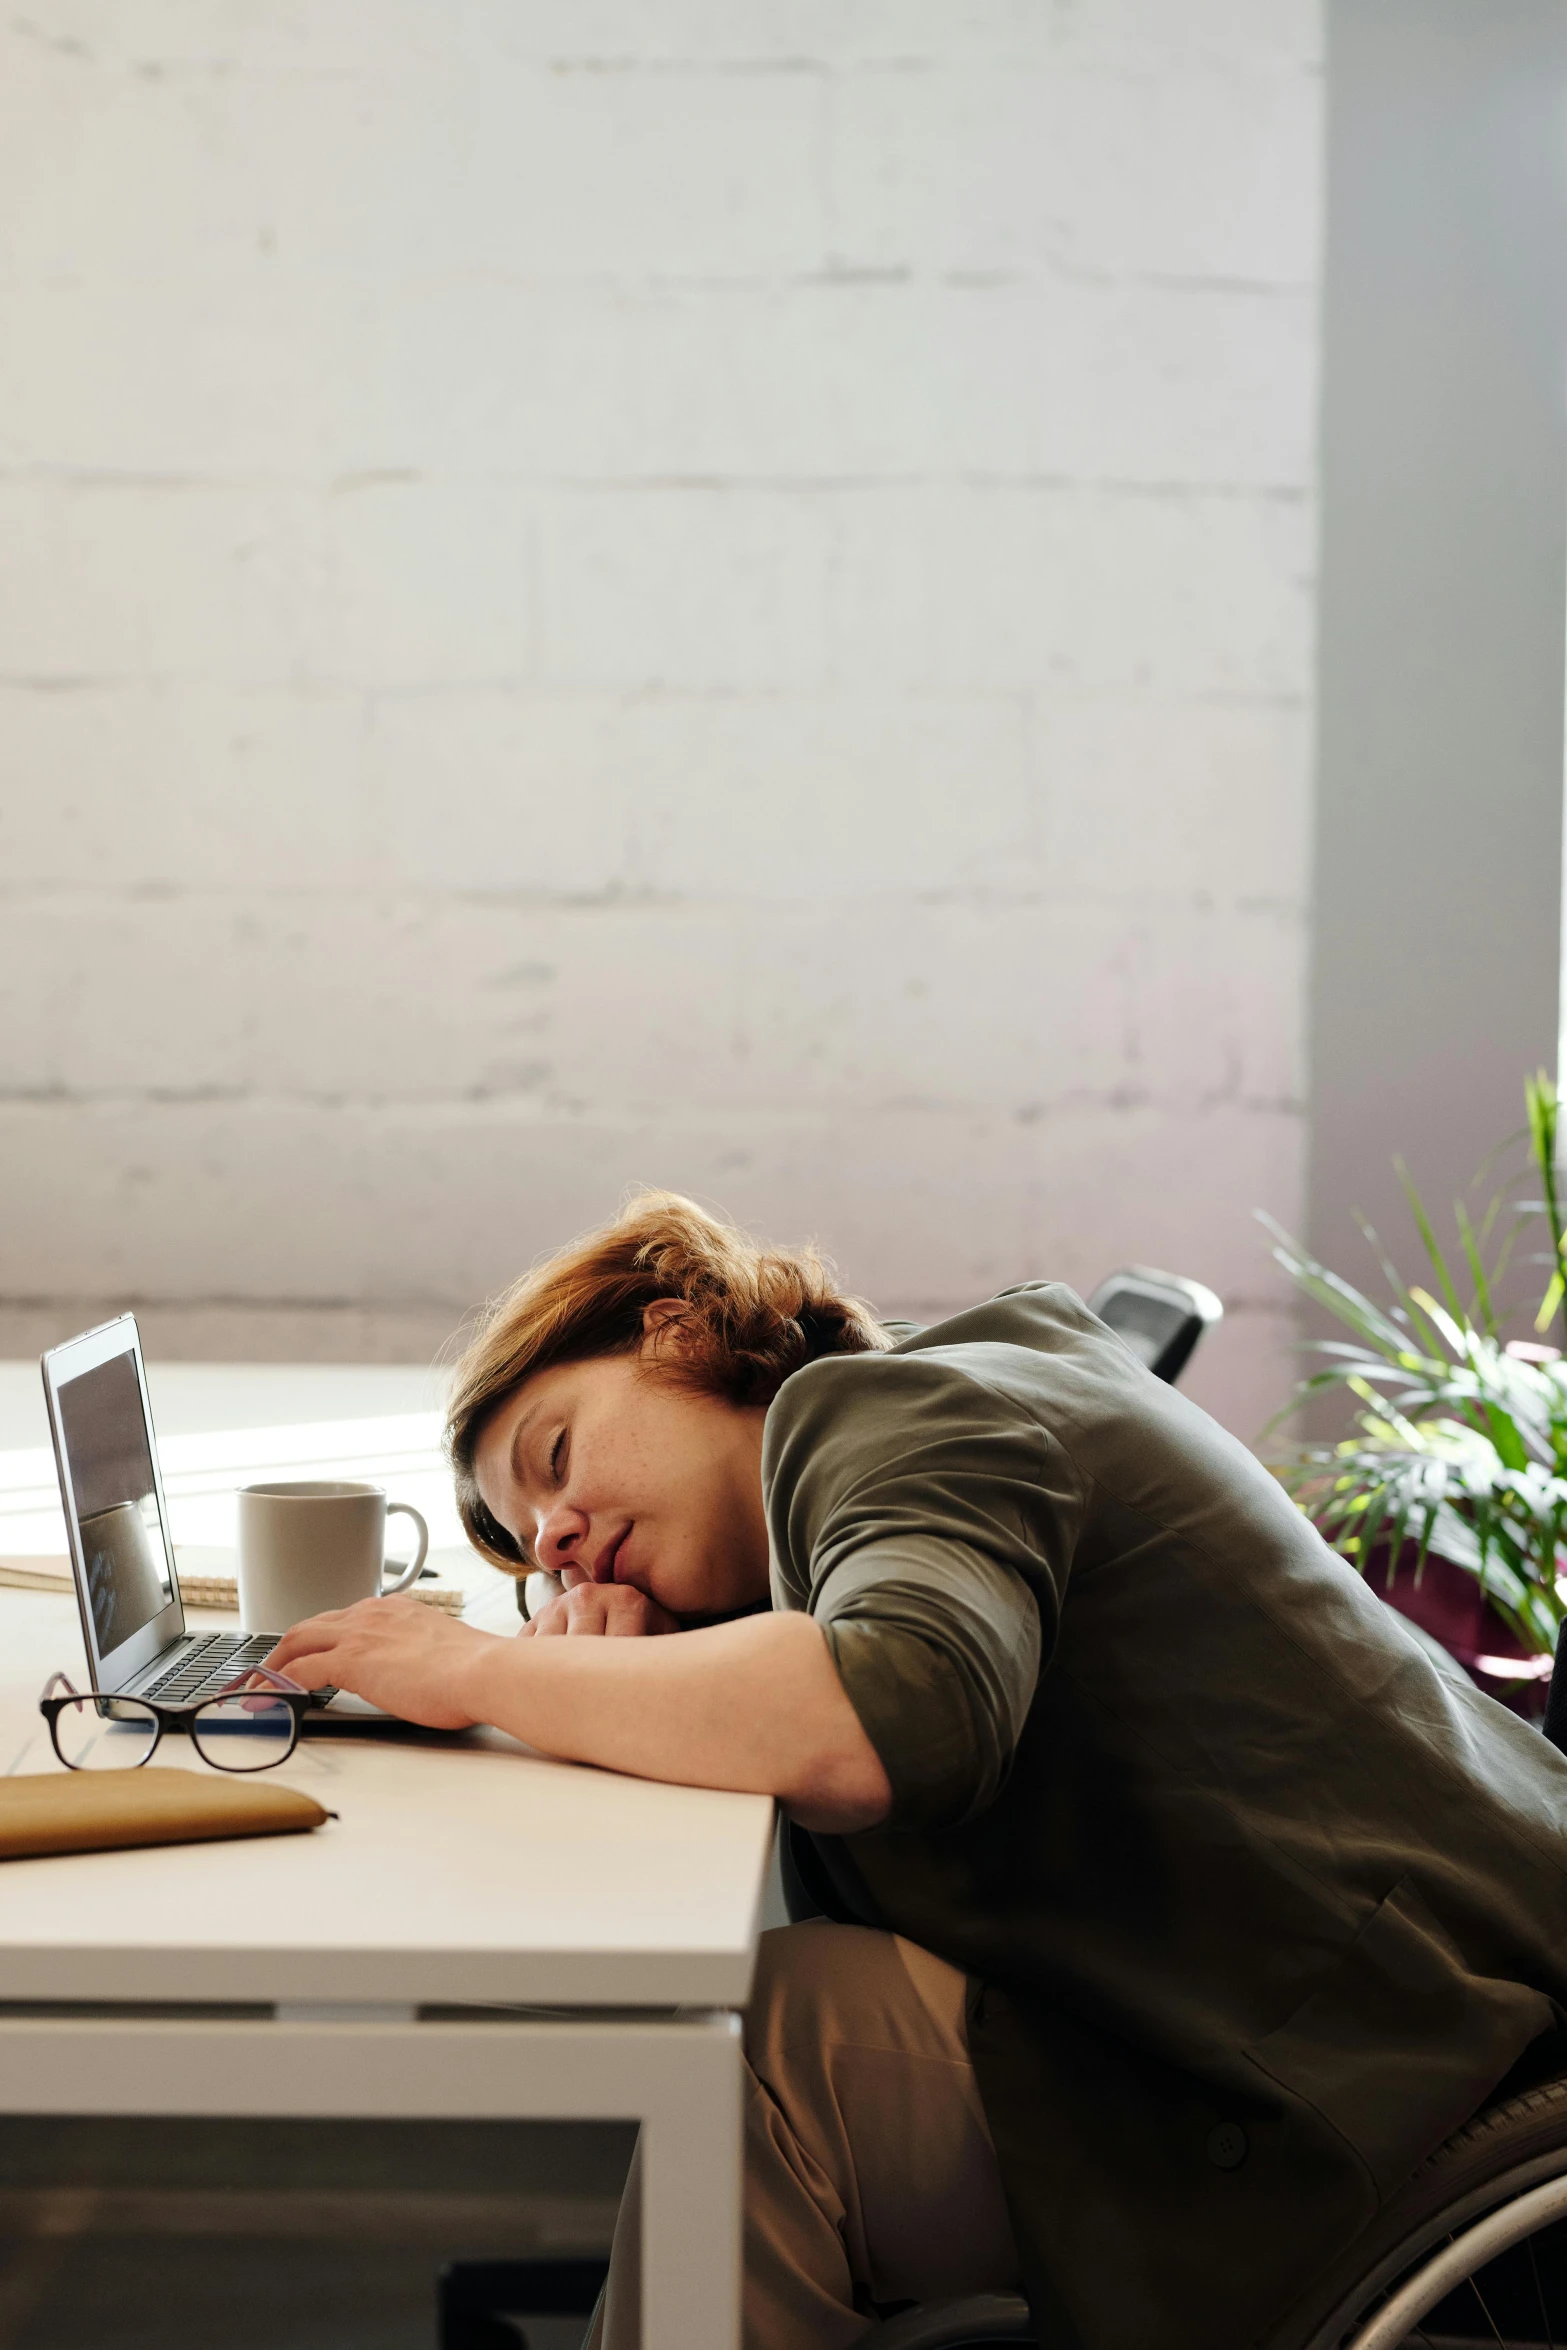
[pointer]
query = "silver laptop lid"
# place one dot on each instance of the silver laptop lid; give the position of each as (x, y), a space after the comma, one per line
(121, 1556)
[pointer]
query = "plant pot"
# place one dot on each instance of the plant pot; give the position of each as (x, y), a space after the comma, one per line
(1448, 1602)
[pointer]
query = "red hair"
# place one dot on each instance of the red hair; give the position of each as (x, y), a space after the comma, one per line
(749, 1316)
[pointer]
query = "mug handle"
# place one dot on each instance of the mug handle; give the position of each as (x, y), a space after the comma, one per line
(410, 1573)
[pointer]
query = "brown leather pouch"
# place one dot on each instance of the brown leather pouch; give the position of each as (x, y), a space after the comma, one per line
(96, 1811)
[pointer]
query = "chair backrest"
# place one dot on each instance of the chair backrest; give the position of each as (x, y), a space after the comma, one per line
(1161, 1316)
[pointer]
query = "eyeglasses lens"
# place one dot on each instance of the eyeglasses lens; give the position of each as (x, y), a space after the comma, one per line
(250, 1732)
(105, 1733)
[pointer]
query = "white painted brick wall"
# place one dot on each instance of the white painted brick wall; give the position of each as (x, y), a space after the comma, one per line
(702, 591)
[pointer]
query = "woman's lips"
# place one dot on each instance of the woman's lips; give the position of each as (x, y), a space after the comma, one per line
(609, 1564)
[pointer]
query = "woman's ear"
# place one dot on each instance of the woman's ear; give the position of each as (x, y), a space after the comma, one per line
(658, 1324)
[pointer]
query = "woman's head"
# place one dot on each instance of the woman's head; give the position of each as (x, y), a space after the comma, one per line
(606, 1420)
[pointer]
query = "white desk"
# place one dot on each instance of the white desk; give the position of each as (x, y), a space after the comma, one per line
(374, 1969)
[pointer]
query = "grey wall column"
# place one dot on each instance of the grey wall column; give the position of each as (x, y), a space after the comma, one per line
(1444, 556)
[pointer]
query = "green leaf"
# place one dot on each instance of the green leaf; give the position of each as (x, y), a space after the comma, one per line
(1396, 1283)
(1451, 1326)
(1428, 1237)
(1339, 1297)
(1542, 1108)
(1471, 1246)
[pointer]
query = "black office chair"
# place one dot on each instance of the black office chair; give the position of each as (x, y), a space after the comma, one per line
(1161, 1316)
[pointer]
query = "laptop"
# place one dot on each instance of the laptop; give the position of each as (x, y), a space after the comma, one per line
(122, 1561)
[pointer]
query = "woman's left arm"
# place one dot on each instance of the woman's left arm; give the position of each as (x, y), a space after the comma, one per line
(755, 1705)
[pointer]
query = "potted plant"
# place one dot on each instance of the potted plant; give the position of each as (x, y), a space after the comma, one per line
(1455, 1463)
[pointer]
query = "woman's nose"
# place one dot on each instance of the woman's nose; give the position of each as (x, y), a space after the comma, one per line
(560, 1538)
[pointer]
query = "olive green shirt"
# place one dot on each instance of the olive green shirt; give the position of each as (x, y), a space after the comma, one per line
(1256, 1904)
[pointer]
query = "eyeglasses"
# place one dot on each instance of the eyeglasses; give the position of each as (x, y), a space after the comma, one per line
(244, 1728)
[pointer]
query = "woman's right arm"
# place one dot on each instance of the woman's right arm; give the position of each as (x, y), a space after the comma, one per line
(755, 1705)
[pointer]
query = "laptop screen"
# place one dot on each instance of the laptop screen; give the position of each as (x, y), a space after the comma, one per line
(115, 1499)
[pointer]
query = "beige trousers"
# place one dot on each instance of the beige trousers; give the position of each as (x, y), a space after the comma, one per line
(869, 2172)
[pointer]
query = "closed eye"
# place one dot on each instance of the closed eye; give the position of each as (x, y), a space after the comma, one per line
(557, 1455)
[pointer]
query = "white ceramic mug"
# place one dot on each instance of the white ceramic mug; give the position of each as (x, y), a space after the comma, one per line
(315, 1545)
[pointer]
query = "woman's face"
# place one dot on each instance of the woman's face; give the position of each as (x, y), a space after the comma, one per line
(604, 1472)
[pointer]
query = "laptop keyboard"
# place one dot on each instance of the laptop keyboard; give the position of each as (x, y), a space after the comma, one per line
(206, 1664)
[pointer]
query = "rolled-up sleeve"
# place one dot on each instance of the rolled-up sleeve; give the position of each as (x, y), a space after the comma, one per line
(927, 1522)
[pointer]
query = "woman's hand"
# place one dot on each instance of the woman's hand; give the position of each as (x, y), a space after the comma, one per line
(617, 1610)
(396, 1653)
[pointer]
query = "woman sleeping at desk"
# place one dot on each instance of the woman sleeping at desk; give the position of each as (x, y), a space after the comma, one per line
(1171, 1904)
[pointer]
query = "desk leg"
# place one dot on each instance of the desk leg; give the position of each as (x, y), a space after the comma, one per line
(691, 2152)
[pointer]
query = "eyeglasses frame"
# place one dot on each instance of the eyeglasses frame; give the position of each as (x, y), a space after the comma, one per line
(179, 1718)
